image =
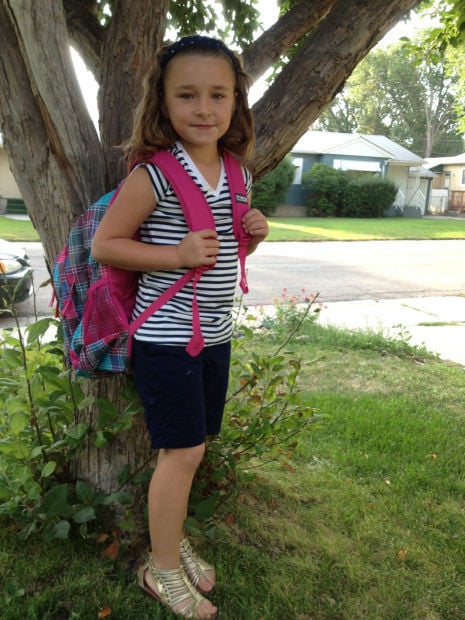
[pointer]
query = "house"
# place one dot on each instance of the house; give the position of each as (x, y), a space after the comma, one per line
(375, 154)
(448, 193)
(10, 197)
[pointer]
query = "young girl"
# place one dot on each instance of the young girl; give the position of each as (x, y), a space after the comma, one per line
(195, 105)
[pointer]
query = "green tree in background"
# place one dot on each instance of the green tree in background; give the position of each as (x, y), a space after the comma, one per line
(405, 93)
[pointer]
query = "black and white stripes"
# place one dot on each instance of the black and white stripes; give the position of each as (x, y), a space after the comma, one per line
(172, 324)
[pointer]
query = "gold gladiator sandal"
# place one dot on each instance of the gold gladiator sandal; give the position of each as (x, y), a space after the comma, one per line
(195, 567)
(174, 588)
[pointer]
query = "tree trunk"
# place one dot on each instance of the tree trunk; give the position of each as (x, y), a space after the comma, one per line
(47, 132)
(130, 448)
(60, 163)
(125, 54)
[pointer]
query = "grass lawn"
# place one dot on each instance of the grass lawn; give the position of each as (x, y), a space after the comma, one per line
(352, 229)
(17, 230)
(313, 229)
(365, 522)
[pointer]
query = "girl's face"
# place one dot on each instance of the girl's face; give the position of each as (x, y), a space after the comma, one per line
(199, 99)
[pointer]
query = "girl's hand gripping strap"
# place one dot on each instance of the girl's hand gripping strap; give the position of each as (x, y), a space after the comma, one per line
(240, 206)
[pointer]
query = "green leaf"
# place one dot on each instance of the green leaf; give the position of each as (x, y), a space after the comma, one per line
(88, 401)
(100, 439)
(36, 452)
(128, 525)
(55, 502)
(18, 422)
(120, 497)
(14, 448)
(143, 477)
(206, 508)
(38, 329)
(36, 387)
(9, 382)
(84, 493)
(34, 492)
(124, 475)
(12, 357)
(85, 514)
(52, 377)
(48, 469)
(57, 530)
(78, 432)
(15, 404)
(191, 526)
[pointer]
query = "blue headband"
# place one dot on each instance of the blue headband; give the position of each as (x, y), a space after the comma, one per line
(200, 42)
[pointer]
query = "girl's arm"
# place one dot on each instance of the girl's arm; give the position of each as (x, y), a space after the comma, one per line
(113, 242)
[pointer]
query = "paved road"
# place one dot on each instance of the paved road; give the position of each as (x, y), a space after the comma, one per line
(347, 271)
(338, 271)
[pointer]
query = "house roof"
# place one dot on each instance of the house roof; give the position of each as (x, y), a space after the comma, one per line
(355, 145)
(423, 172)
(458, 160)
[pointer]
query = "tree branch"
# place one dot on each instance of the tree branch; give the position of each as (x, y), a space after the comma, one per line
(284, 114)
(280, 37)
(85, 32)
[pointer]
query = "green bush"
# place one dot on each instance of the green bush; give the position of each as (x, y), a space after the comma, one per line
(368, 197)
(335, 193)
(40, 435)
(327, 187)
(264, 416)
(270, 191)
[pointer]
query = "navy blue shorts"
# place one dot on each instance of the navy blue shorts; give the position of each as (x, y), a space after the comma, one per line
(183, 396)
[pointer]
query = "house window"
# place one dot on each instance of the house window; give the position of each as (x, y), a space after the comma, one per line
(298, 163)
(462, 182)
(357, 164)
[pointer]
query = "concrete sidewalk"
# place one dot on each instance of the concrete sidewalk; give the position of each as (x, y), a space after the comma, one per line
(438, 323)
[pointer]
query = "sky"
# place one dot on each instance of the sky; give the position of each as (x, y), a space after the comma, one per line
(269, 12)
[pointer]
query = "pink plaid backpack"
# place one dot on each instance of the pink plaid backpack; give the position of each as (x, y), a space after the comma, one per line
(95, 301)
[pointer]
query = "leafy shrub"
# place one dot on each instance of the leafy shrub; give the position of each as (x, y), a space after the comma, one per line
(338, 193)
(264, 416)
(327, 187)
(368, 197)
(270, 191)
(40, 435)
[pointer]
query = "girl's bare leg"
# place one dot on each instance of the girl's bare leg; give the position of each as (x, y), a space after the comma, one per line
(167, 501)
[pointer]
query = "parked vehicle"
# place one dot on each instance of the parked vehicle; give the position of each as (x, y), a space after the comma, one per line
(15, 274)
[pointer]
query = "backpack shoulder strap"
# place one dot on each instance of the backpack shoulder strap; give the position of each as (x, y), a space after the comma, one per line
(196, 210)
(240, 206)
(238, 193)
(198, 217)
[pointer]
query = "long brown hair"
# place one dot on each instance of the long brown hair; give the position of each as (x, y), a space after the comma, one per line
(152, 129)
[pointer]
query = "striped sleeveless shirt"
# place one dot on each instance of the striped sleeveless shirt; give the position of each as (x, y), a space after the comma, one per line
(172, 323)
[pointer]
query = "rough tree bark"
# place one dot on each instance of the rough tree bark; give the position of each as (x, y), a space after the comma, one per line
(61, 164)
